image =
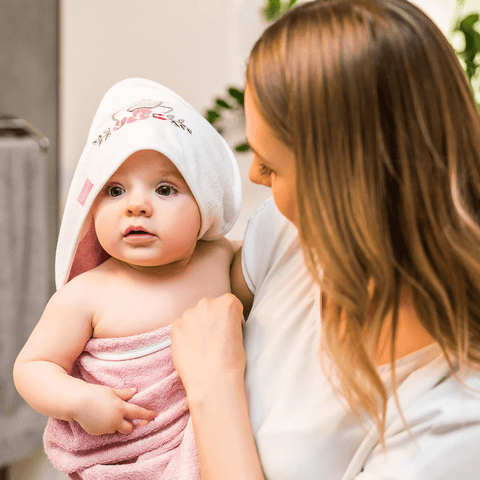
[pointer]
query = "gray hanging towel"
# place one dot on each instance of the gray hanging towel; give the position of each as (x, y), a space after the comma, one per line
(24, 282)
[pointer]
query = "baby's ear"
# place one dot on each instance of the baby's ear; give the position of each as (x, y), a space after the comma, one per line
(86, 226)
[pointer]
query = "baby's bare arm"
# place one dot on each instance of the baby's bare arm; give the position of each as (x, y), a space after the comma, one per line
(42, 369)
(237, 280)
(228, 255)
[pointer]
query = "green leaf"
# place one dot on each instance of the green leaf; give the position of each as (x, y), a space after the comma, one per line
(472, 44)
(276, 8)
(271, 9)
(469, 22)
(223, 104)
(243, 147)
(237, 94)
(212, 116)
(467, 28)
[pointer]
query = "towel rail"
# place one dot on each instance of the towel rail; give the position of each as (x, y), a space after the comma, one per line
(18, 127)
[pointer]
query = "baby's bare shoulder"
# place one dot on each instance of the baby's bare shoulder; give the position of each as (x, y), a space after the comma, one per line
(85, 289)
(212, 261)
(221, 247)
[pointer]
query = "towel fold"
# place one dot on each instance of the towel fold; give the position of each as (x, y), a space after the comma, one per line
(162, 449)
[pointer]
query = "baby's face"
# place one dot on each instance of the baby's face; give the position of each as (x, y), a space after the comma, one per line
(146, 214)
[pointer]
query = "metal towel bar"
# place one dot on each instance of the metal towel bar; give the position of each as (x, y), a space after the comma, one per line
(18, 127)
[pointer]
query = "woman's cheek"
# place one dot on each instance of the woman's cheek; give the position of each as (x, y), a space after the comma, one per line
(284, 198)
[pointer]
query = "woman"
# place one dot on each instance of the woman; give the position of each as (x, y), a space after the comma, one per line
(363, 124)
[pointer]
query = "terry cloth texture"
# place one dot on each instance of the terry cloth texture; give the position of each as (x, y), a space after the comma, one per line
(138, 114)
(24, 282)
(162, 449)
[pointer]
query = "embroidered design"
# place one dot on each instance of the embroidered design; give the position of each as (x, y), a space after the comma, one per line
(101, 138)
(87, 187)
(148, 104)
(141, 114)
(141, 111)
(178, 123)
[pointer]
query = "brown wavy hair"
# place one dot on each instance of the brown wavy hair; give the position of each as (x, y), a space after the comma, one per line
(373, 101)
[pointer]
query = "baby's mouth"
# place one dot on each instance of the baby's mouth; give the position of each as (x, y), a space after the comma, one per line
(136, 231)
(138, 234)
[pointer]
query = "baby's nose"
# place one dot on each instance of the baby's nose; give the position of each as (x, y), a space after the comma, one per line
(139, 206)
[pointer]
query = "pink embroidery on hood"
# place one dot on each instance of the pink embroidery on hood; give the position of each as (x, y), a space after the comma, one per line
(120, 123)
(141, 111)
(87, 187)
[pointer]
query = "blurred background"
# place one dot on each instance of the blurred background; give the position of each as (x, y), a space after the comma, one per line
(57, 59)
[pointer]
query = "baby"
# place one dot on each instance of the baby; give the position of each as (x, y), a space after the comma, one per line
(155, 190)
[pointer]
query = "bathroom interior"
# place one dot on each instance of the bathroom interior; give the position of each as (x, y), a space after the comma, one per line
(57, 59)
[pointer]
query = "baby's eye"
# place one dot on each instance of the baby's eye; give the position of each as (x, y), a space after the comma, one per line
(165, 190)
(115, 191)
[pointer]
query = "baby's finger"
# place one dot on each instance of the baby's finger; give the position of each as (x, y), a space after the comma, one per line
(134, 412)
(125, 427)
(125, 393)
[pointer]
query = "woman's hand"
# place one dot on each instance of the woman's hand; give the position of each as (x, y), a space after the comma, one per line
(207, 344)
(208, 353)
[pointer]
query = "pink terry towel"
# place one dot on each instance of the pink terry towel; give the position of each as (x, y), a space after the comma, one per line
(162, 449)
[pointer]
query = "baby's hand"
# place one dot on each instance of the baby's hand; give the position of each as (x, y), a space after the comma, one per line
(105, 410)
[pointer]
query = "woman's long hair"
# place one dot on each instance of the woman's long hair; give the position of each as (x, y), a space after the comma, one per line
(374, 103)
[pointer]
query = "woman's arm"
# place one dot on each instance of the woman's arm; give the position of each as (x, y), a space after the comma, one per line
(208, 354)
(224, 438)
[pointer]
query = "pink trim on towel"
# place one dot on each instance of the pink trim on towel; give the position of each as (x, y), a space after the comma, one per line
(164, 448)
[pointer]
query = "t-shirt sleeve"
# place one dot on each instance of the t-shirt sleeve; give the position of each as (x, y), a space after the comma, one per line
(266, 233)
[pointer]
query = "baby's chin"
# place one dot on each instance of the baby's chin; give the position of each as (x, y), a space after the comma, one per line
(159, 267)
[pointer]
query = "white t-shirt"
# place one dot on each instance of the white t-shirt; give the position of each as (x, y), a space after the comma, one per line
(302, 430)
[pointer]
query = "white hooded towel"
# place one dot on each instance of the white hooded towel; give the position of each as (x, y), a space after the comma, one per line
(138, 114)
